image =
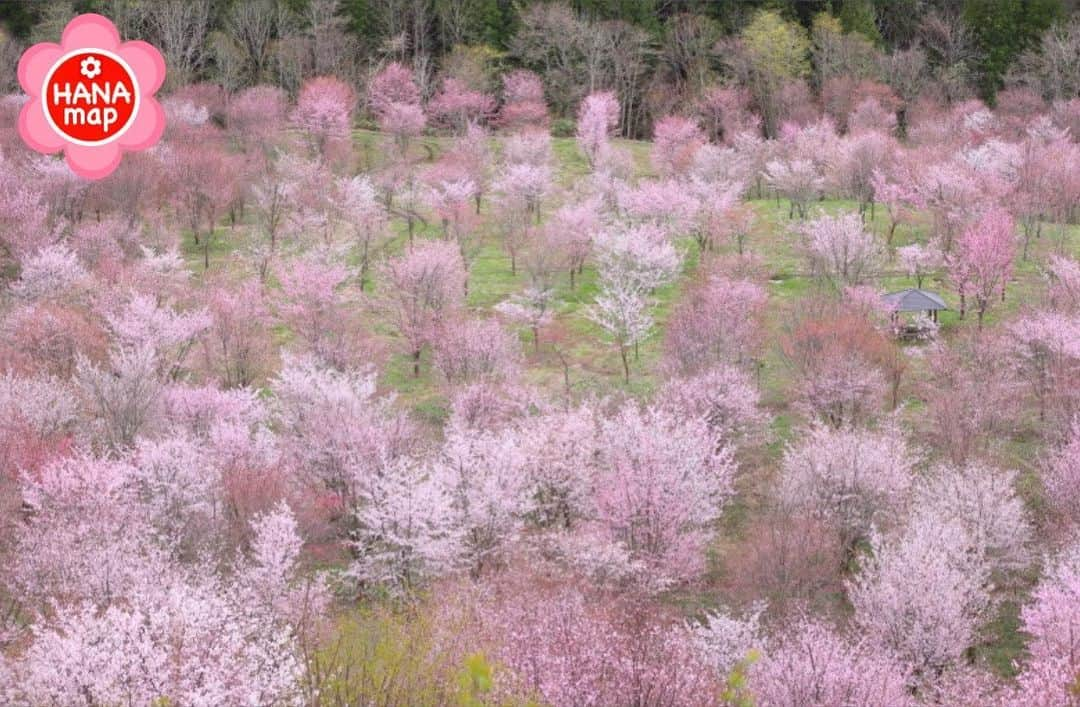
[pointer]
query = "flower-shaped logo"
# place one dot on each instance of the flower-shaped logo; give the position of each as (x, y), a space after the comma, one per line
(91, 67)
(91, 96)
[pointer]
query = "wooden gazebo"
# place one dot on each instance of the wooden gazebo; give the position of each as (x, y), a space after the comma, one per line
(914, 300)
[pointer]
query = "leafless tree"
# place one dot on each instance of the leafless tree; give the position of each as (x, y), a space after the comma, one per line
(180, 28)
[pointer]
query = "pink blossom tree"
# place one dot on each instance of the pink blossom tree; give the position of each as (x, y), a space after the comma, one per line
(983, 262)
(855, 480)
(923, 594)
(457, 106)
(519, 193)
(724, 396)
(1061, 475)
(840, 250)
(395, 100)
(598, 117)
(313, 304)
(476, 349)
(323, 113)
(1051, 619)
(622, 311)
(571, 231)
(811, 664)
(425, 286)
(797, 180)
(523, 104)
(718, 320)
(661, 482)
(359, 211)
(675, 142)
(920, 261)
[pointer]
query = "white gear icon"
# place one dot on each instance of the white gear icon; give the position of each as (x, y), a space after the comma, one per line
(91, 67)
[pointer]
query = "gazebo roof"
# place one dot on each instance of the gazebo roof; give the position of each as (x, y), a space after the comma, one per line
(913, 300)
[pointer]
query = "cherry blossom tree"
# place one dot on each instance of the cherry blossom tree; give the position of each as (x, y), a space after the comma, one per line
(523, 103)
(395, 100)
(717, 321)
(840, 250)
(476, 349)
(622, 311)
(811, 664)
(1051, 619)
(723, 396)
(919, 261)
(661, 482)
(426, 285)
(983, 262)
(675, 142)
(922, 594)
(457, 106)
(358, 210)
(598, 118)
(519, 193)
(856, 480)
(1061, 475)
(797, 180)
(323, 113)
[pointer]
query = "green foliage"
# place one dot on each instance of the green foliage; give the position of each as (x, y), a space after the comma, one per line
(1003, 30)
(777, 46)
(737, 688)
(859, 16)
(378, 655)
(474, 681)
(563, 127)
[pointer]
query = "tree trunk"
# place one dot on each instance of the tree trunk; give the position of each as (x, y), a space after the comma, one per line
(416, 363)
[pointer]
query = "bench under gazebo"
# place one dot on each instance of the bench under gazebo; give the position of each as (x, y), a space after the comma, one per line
(914, 300)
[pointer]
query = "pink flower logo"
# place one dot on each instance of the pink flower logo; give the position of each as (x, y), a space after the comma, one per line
(91, 96)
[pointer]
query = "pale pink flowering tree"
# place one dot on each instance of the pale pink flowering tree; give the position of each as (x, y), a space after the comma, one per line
(364, 218)
(482, 472)
(983, 262)
(256, 115)
(660, 484)
(711, 217)
(530, 308)
(855, 480)
(639, 258)
(840, 250)
(675, 142)
(22, 214)
(324, 112)
(52, 273)
(41, 415)
(622, 311)
(450, 195)
(718, 320)
(523, 103)
(237, 344)
(313, 303)
(556, 450)
(332, 427)
(395, 100)
(406, 529)
(898, 192)
(425, 286)
(923, 594)
(470, 154)
(1052, 620)
(1061, 475)
(663, 203)
(811, 664)
(571, 231)
(724, 397)
(1064, 275)
(519, 193)
(598, 118)
(857, 159)
(456, 105)
(797, 180)
(920, 261)
(476, 349)
(1045, 352)
(573, 646)
(983, 500)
